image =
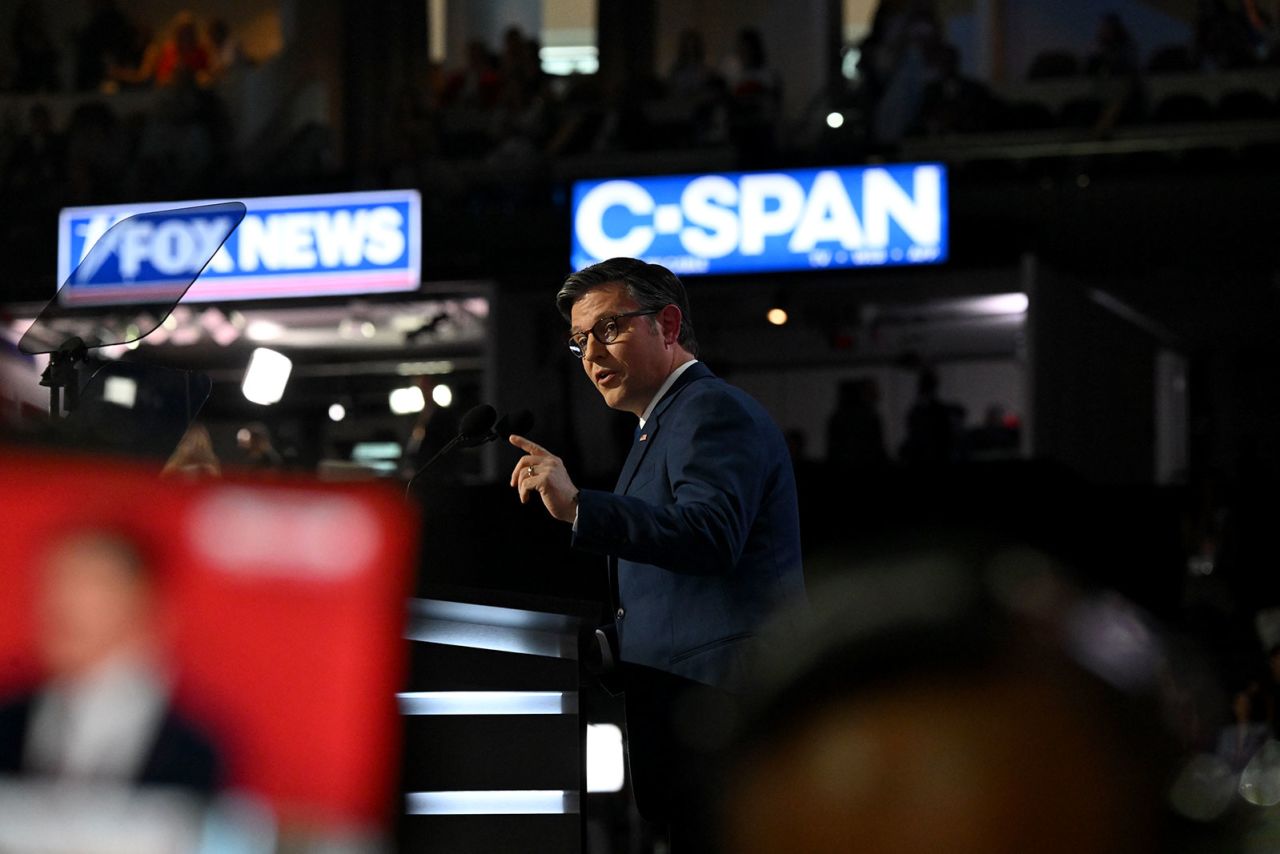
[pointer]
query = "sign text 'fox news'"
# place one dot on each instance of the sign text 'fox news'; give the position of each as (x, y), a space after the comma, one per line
(286, 246)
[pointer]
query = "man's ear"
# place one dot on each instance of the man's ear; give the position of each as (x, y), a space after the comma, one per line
(669, 320)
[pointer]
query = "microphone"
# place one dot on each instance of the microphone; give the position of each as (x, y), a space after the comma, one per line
(475, 428)
(476, 425)
(519, 422)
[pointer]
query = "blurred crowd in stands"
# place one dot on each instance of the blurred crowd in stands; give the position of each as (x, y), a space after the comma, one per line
(503, 106)
(498, 107)
(112, 50)
(910, 80)
(93, 139)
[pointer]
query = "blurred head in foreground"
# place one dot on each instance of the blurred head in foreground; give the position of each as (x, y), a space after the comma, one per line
(95, 603)
(931, 708)
(104, 715)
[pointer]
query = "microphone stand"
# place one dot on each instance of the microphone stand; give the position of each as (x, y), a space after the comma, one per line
(449, 446)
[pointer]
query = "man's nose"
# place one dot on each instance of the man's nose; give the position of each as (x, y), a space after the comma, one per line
(594, 349)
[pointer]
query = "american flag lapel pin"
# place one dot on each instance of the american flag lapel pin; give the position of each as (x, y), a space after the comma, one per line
(644, 437)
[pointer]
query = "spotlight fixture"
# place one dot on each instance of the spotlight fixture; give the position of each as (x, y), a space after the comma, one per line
(266, 376)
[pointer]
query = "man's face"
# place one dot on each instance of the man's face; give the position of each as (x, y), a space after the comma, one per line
(92, 604)
(628, 372)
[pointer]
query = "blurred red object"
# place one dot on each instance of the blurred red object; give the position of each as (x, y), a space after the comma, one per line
(282, 610)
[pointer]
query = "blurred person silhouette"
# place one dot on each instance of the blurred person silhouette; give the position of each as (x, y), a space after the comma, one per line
(952, 102)
(98, 153)
(194, 458)
(939, 703)
(178, 56)
(933, 425)
(34, 53)
(755, 95)
(1116, 69)
(520, 67)
(38, 161)
(691, 76)
(693, 83)
(855, 432)
(104, 713)
(254, 442)
(225, 51)
(879, 49)
(1115, 53)
(478, 83)
(1247, 730)
(913, 47)
(109, 39)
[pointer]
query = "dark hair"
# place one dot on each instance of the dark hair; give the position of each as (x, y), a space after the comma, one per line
(130, 549)
(652, 287)
(949, 623)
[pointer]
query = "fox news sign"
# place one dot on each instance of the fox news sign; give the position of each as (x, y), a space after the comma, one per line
(286, 246)
(758, 222)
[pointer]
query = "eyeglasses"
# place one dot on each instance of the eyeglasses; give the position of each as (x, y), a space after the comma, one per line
(605, 331)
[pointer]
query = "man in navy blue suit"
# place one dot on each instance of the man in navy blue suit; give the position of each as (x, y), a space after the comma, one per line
(702, 531)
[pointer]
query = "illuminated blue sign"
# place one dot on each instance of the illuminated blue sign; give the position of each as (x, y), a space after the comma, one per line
(756, 222)
(286, 246)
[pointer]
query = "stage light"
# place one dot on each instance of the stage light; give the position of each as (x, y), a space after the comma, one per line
(835, 120)
(406, 401)
(266, 376)
(777, 316)
(442, 395)
(337, 412)
(605, 763)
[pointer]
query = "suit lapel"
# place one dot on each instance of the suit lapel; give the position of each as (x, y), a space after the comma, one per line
(647, 436)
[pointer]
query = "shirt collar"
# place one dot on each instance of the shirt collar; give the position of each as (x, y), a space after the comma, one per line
(670, 381)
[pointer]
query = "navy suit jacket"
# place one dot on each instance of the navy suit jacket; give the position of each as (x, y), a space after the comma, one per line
(702, 531)
(180, 756)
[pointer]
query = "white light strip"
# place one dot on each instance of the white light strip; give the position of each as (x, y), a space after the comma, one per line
(487, 703)
(494, 638)
(504, 802)
(1000, 304)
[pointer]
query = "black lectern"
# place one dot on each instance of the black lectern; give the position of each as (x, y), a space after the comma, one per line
(495, 732)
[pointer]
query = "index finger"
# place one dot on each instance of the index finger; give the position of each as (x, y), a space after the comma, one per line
(528, 446)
